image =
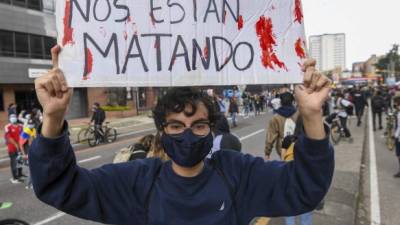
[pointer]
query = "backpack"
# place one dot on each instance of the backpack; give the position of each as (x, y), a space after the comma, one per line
(123, 155)
(289, 154)
(291, 132)
(289, 127)
(377, 102)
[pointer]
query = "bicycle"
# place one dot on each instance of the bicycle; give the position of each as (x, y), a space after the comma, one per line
(390, 142)
(337, 131)
(83, 134)
(106, 135)
(7, 205)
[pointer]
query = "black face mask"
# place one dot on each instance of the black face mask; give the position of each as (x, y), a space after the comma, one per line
(187, 149)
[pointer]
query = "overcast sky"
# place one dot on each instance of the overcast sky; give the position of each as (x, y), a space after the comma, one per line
(371, 26)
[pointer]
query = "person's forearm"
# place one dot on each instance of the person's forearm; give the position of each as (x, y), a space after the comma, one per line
(314, 126)
(52, 126)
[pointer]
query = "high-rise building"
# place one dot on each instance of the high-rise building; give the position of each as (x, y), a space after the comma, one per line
(329, 50)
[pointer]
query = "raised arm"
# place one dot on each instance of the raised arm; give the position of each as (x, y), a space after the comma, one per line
(287, 189)
(60, 182)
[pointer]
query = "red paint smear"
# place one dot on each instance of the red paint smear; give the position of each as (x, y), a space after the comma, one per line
(273, 7)
(125, 35)
(68, 30)
(89, 63)
(156, 45)
(224, 20)
(205, 52)
(240, 22)
(129, 19)
(264, 29)
(298, 13)
(299, 49)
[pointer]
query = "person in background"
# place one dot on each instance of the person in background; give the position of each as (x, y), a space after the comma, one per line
(12, 109)
(157, 150)
(27, 136)
(387, 99)
(142, 147)
(98, 118)
(257, 104)
(397, 132)
(276, 126)
(342, 104)
(37, 117)
(12, 136)
(378, 105)
(23, 117)
(360, 102)
(233, 111)
(223, 139)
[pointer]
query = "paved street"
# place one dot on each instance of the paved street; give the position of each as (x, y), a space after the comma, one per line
(380, 190)
(340, 204)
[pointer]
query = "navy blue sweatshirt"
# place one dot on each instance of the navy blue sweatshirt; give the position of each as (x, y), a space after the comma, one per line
(116, 194)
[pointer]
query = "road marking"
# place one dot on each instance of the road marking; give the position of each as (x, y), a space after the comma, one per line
(136, 132)
(54, 217)
(373, 175)
(90, 159)
(251, 135)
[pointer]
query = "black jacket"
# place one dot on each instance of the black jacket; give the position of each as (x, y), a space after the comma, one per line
(99, 116)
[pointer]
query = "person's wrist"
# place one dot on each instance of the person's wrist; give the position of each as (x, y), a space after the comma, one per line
(52, 125)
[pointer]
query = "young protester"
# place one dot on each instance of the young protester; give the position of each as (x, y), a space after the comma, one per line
(12, 136)
(231, 188)
(223, 138)
(233, 110)
(26, 138)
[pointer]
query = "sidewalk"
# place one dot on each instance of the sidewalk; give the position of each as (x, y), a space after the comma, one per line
(122, 125)
(341, 201)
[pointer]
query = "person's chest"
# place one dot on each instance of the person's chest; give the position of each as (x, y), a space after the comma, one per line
(203, 202)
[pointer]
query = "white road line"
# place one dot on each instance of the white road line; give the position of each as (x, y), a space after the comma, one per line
(90, 159)
(136, 132)
(374, 188)
(251, 135)
(54, 217)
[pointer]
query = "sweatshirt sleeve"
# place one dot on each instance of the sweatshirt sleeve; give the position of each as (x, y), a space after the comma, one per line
(277, 188)
(111, 194)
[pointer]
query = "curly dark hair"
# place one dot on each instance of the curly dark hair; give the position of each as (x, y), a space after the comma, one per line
(177, 99)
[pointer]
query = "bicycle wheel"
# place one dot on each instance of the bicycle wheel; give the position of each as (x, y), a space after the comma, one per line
(111, 135)
(335, 134)
(13, 222)
(92, 140)
(83, 135)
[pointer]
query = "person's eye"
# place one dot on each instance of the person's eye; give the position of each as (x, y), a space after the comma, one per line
(200, 126)
(175, 126)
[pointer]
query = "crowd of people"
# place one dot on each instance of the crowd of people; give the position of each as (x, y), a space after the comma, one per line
(19, 134)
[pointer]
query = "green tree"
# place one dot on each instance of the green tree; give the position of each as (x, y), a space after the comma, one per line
(390, 62)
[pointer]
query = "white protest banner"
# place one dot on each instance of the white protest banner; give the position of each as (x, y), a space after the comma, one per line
(180, 42)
